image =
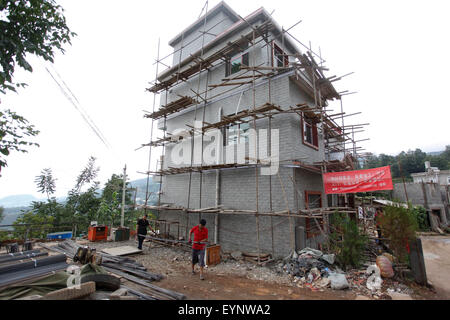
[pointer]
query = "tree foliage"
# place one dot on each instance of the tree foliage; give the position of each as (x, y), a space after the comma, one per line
(399, 225)
(40, 225)
(410, 162)
(14, 133)
(87, 175)
(2, 214)
(36, 27)
(346, 240)
(45, 182)
(421, 216)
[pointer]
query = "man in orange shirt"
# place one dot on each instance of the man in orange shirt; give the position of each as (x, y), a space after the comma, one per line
(198, 247)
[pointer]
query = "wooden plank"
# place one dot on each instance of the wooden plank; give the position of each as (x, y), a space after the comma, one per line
(169, 293)
(121, 251)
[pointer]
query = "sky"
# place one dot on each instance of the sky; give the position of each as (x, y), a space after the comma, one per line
(397, 50)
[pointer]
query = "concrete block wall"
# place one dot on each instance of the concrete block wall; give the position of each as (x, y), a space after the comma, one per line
(432, 200)
(238, 232)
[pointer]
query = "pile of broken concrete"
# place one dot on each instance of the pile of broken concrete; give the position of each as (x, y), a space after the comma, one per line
(313, 268)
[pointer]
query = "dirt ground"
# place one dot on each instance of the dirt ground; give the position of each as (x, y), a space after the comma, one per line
(232, 279)
(229, 280)
(436, 250)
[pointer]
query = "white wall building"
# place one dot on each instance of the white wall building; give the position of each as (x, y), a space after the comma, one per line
(432, 174)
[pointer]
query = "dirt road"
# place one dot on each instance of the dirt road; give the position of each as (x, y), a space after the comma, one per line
(436, 250)
(231, 287)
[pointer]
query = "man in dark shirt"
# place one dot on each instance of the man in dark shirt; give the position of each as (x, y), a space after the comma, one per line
(141, 230)
(378, 217)
(198, 247)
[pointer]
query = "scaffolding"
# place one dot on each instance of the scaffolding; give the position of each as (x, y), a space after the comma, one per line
(302, 69)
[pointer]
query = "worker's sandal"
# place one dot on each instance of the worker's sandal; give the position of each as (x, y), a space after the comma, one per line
(201, 277)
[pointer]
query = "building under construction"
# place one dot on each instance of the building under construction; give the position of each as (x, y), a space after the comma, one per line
(247, 132)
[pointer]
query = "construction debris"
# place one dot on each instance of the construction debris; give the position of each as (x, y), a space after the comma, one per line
(338, 281)
(374, 281)
(126, 268)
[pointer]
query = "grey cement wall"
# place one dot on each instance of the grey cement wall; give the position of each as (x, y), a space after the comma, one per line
(427, 195)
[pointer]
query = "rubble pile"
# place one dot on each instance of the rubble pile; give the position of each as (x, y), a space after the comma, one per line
(315, 270)
(312, 268)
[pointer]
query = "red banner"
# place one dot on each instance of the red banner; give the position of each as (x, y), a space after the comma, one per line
(358, 180)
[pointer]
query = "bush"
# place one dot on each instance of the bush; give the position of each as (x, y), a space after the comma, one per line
(399, 226)
(40, 225)
(346, 241)
(421, 216)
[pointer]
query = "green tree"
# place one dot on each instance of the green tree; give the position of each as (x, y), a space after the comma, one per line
(112, 200)
(399, 225)
(39, 225)
(35, 27)
(109, 210)
(14, 133)
(410, 162)
(421, 216)
(2, 214)
(78, 208)
(46, 183)
(346, 240)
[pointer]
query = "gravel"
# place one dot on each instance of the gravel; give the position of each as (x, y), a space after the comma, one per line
(174, 260)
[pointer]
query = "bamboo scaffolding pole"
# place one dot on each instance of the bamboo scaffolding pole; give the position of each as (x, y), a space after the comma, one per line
(151, 136)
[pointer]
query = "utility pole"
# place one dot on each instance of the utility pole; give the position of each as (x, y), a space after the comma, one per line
(404, 184)
(123, 195)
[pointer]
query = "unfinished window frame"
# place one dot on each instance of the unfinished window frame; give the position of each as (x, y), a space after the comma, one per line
(275, 60)
(242, 129)
(229, 64)
(312, 232)
(306, 121)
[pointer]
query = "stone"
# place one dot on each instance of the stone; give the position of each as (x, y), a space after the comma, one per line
(400, 296)
(330, 258)
(236, 255)
(312, 252)
(323, 283)
(338, 281)
(120, 292)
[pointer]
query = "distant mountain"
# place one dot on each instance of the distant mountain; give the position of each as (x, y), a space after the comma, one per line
(141, 185)
(19, 200)
(13, 205)
(23, 200)
(435, 153)
(10, 215)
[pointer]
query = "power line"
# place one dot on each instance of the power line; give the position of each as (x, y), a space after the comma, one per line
(79, 108)
(81, 113)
